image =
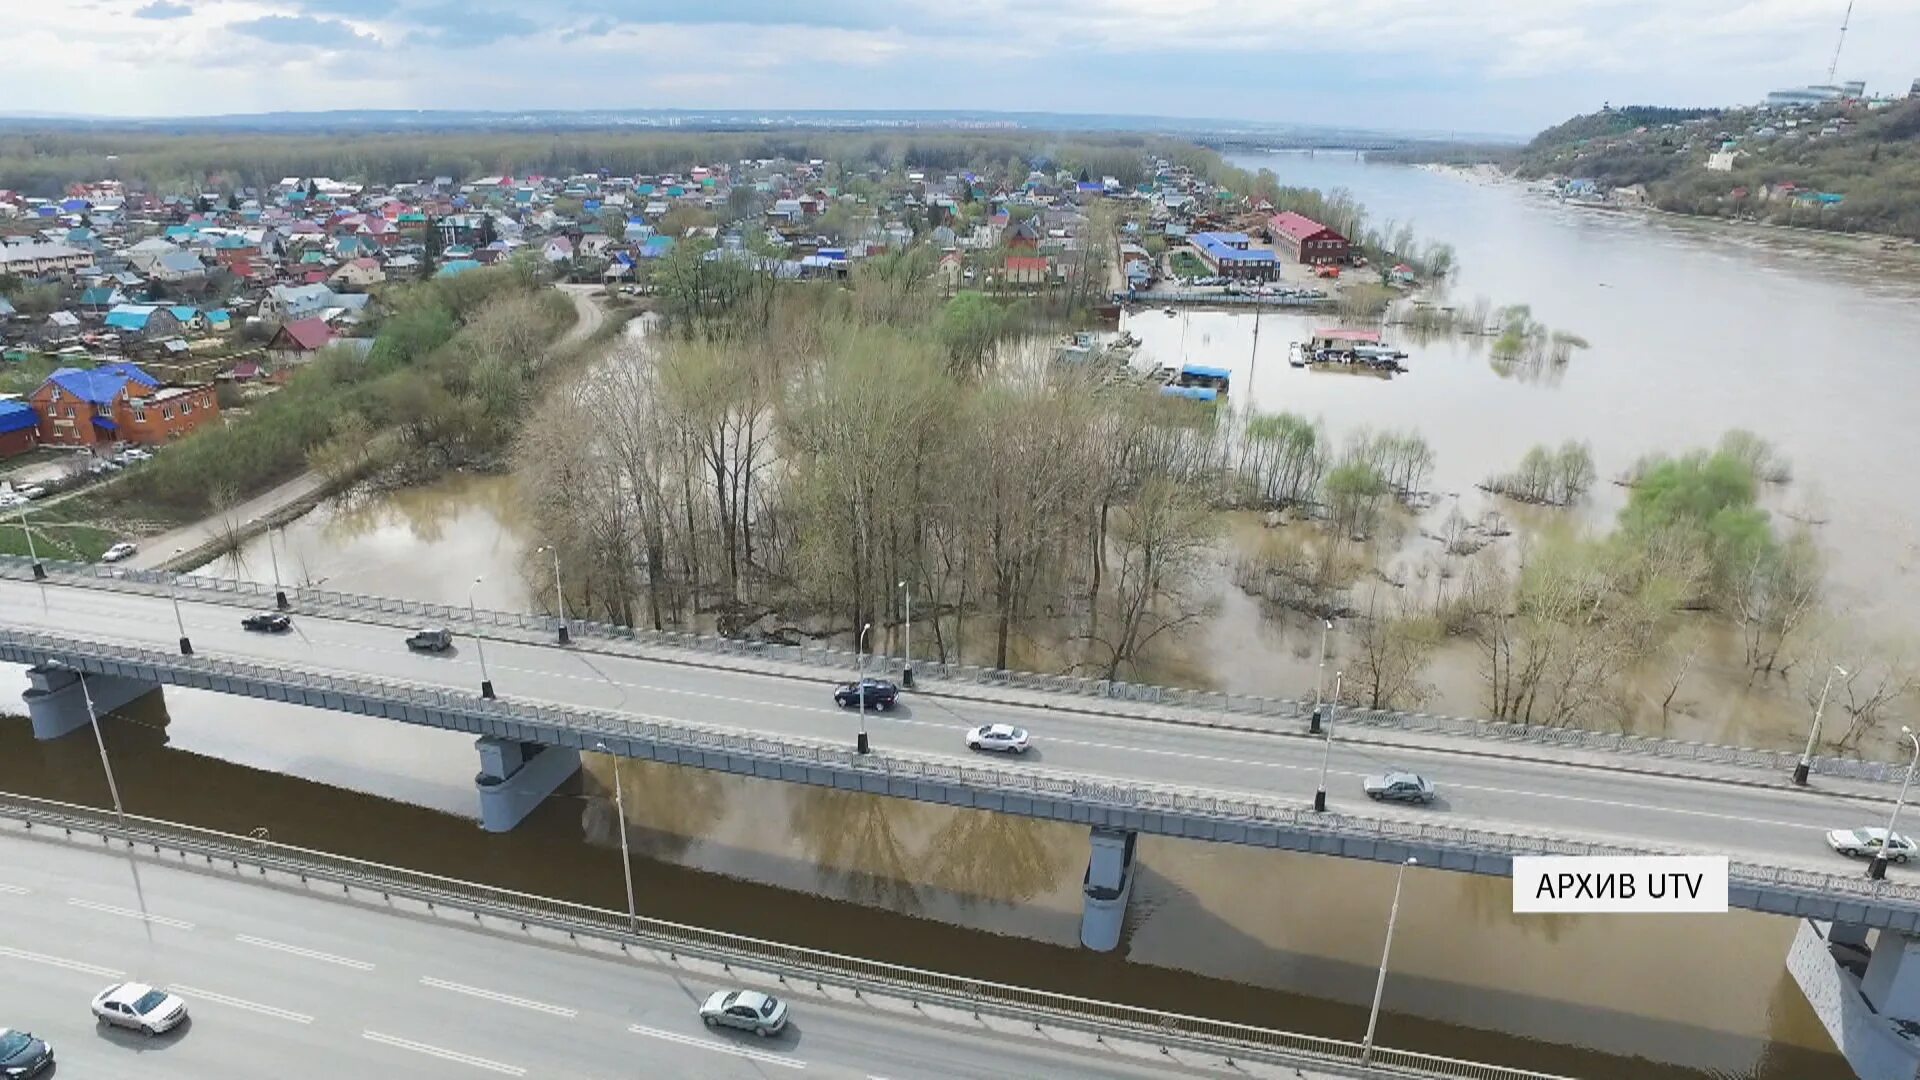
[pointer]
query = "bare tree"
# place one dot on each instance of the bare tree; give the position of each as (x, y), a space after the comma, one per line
(1392, 646)
(1161, 537)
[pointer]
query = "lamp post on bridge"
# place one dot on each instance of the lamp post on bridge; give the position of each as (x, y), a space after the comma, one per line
(906, 664)
(1380, 981)
(173, 593)
(1326, 754)
(626, 860)
(473, 616)
(1320, 677)
(1805, 766)
(93, 718)
(1877, 869)
(559, 594)
(279, 594)
(39, 571)
(860, 686)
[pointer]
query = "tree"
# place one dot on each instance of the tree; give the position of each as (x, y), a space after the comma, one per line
(1775, 594)
(970, 325)
(1161, 538)
(1392, 647)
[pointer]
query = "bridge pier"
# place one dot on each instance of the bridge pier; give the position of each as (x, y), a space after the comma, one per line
(1108, 883)
(57, 704)
(515, 777)
(1863, 996)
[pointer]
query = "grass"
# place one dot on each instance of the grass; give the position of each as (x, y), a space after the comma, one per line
(25, 376)
(55, 536)
(1187, 264)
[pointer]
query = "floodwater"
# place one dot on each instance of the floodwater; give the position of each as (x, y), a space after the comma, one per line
(1281, 940)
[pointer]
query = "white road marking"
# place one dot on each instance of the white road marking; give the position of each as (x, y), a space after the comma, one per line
(55, 961)
(240, 1003)
(129, 913)
(504, 999)
(14, 890)
(760, 1056)
(295, 950)
(444, 1055)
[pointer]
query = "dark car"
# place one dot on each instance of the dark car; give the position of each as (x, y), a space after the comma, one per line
(1399, 787)
(22, 1055)
(433, 639)
(879, 692)
(268, 622)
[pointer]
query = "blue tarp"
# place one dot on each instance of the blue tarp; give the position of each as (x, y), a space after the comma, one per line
(1199, 371)
(17, 416)
(1194, 393)
(105, 424)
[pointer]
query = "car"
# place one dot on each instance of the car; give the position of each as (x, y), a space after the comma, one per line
(748, 1010)
(119, 551)
(431, 639)
(268, 622)
(1399, 787)
(22, 1055)
(880, 694)
(143, 1008)
(30, 491)
(1870, 842)
(9, 500)
(1005, 738)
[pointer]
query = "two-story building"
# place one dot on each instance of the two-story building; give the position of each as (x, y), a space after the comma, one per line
(1307, 240)
(118, 403)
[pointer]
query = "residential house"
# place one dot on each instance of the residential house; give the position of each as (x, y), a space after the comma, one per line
(1306, 240)
(99, 298)
(557, 249)
(951, 271)
(32, 259)
(188, 317)
(144, 322)
(361, 273)
(19, 427)
(296, 342)
(118, 403)
(287, 303)
(1026, 270)
(1022, 235)
(145, 255)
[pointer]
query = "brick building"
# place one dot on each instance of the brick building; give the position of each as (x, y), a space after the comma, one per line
(1231, 254)
(118, 403)
(1307, 240)
(19, 428)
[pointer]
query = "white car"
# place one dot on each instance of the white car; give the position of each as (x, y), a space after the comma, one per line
(1004, 738)
(748, 1010)
(11, 499)
(140, 1007)
(1870, 842)
(119, 551)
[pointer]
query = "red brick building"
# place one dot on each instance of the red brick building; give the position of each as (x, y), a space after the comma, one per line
(19, 428)
(118, 403)
(1307, 240)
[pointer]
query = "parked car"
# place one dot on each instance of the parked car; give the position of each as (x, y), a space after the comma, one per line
(1870, 842)
(140, 1007)
(431, 639)
(1399, 787)
(268, 622)
(1004, 738)
(22, 1055)
(119, 551)
(748, 1010)
(31, 491)
(880, 694)
(11, 499)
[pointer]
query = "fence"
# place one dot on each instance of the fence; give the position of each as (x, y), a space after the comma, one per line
(1151, 1026)
(610, 637)
(1119, 798)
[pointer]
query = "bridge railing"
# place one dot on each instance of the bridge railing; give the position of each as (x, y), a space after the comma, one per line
(1237, 706)
(1152, 1026)
(583, 728)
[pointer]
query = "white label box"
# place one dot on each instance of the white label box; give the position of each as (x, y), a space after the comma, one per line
(1605, 884)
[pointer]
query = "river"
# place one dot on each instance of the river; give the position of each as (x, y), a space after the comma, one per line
(1283, 940)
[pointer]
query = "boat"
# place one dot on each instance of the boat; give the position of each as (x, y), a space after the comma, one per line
(1296, 355)
(1105, 888)
(1358, 351)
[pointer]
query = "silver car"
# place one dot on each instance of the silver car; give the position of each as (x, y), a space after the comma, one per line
(1399, 787)
(140, 1007)
(748, 1010)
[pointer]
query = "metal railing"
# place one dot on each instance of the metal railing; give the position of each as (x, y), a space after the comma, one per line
(1026, 1004)
(1204, 705)
(1118, 795)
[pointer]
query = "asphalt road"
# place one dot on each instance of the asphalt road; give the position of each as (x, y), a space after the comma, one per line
(1758, 823)
(288, 986)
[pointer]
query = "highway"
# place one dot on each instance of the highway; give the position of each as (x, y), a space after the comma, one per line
(1751, 821)
(286, 985)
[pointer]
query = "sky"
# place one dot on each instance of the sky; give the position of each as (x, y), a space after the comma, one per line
(1510, 66)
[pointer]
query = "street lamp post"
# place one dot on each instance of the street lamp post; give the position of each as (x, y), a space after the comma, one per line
(1326, 754)
(279, 594)
(39, 571)
(1877, 869)
(173, 593)
(906, 664)
(113, 788)
(1805, 766)
(486, 684)
(1320, 677)
(1380, 982)
(860, 686)
(559, 594)
(626, 860)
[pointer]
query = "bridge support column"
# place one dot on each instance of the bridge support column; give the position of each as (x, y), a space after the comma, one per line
(515, 777)
(57, 705)
(1108, 883)
(1862, 1005)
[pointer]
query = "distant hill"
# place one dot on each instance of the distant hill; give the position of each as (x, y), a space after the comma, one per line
(1847, 166)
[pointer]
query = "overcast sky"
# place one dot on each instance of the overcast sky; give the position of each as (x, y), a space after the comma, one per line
(1463, 65)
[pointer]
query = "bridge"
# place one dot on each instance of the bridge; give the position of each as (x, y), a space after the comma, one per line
(294, 965)
(1126, 762)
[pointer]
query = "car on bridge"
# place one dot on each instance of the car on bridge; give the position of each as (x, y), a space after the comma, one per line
(119, 551)
(22, 1055)
(1871, 842)
(1399, 787)
(268, 622)
(880, 694)
(140, 1007)
(1004, 738)
(431, 639)
(748, 1010)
